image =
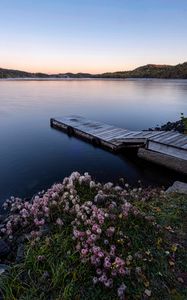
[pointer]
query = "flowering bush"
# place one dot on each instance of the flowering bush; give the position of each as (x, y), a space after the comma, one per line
(126, 251)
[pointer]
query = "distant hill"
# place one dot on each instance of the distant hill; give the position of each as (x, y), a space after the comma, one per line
(152, 71)
(7, 73)
(149, 71)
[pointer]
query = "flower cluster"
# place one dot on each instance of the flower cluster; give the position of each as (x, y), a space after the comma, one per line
(98, 224)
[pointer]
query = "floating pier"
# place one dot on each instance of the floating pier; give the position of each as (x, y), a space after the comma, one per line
(169, 145)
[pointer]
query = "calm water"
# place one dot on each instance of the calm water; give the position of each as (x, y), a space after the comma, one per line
(33, 156)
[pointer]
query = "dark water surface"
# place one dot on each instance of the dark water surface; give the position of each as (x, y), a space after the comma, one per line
(33, 156)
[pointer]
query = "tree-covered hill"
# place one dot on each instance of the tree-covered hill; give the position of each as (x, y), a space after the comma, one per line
(152, 71)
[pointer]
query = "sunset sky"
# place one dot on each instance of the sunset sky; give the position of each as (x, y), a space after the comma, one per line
(91, 35)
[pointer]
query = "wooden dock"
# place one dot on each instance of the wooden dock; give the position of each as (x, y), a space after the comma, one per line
(170, 143)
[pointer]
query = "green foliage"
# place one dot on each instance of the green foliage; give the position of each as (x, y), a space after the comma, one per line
(184, 120)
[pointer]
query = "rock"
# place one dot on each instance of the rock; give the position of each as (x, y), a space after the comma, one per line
(175, 126)
(20, 253)
(4, 249)
(178, 187)
(3, 268)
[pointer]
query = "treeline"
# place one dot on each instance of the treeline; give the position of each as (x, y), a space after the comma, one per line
(152, 71)
(149, 71)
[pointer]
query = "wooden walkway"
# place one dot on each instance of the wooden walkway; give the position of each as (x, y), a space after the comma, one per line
(114, 138)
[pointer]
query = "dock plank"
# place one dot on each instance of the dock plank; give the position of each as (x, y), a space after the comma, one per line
(162, 137)
(181, 143)
(112, 132)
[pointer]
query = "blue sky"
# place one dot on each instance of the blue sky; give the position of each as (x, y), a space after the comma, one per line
(91, 35)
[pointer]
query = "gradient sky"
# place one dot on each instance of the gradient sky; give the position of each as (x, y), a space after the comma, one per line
(91, 35)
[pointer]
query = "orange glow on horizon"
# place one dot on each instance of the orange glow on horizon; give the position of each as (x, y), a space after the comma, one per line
(56, 70)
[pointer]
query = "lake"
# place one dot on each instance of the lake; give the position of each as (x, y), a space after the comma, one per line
(33, 155)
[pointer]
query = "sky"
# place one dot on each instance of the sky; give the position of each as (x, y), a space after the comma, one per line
(95, 36)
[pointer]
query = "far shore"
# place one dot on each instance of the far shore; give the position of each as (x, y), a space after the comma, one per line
(88, 78)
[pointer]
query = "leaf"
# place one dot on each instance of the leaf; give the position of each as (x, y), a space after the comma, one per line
(159, 241)
(146, 283)
(147, 292)
(128, 262)
(174, 248)
(169, 229)
(180, 279)
(74, 275)
(157, 209)
(171, 263)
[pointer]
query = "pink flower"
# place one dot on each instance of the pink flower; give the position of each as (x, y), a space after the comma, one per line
(40, 257)
(98, 271)
(103, 278)
(96, 249)
(39, 223)
(108, 185)
(78, 247)
(108, 283)
(46, 210)
(95, 227)
(59, 222)
(84, 252)
(99, 230)
(93, 237)
(92, 184)
(95, 280)
(107, 264)
(89, 241)
(113, 247)
(97, 261)
(93, 260)
(75, 233)
(24, 213)
(114, 273)
(121, 271)
(107, 259)
(100, 254)
(112, 252)
(119, 262)
(121, 291)
(110, 231)
(34, 234)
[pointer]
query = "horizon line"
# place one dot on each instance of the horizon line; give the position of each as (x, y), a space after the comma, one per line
(81, 72)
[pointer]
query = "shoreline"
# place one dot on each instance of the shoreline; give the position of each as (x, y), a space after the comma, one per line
(89, 78)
